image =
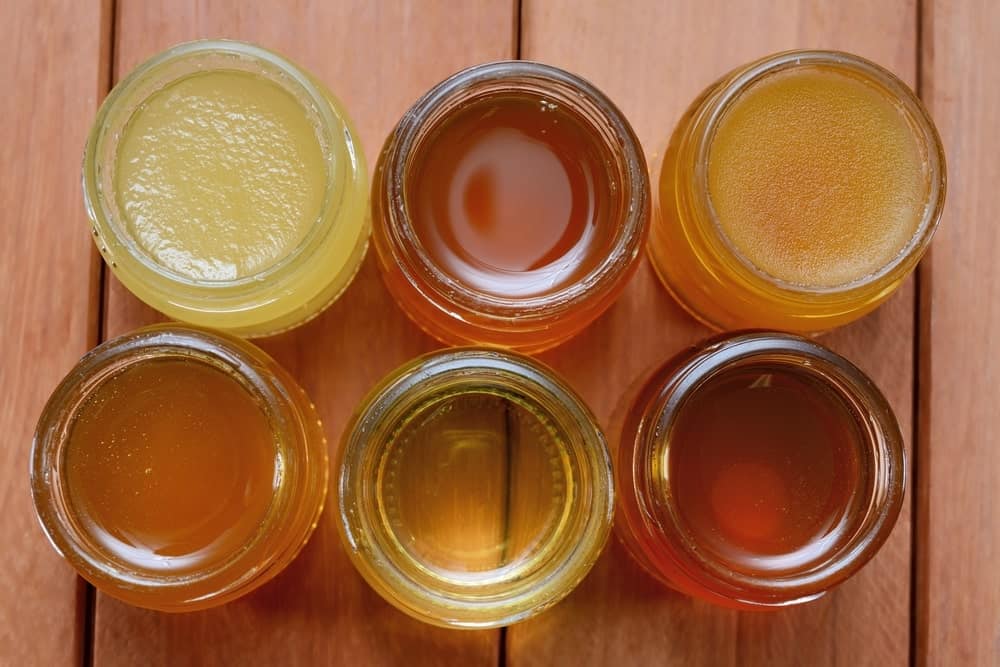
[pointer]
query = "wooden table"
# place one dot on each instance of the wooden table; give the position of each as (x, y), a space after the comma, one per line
(932, 596)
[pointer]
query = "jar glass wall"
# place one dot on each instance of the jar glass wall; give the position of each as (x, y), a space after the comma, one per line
(474, 488)
(509, 206)
(226, 188)
(177, 469)
(796, 193)
(757, 471)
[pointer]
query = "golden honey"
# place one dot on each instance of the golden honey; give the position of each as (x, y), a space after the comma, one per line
(475, 488)
(796, 193)
(177, 469)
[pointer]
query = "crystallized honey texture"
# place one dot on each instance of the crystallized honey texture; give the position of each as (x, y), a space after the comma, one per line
(817, 177)
(220, 175)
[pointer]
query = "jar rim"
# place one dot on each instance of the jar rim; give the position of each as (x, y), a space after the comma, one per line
(715, 108)
(54, 508)
(407, 388)
(325, 115)
(409, 252)
(882, 446)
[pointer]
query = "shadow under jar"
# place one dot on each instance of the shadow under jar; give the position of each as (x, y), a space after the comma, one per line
(226, 188)
(509, 206)
(758, 471)
(475, 488)
(796, 193)
(177, 469)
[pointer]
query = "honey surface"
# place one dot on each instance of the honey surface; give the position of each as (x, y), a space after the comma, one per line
(170, 465)
(764, 465)
(510, 196)
(474, 485)
(220, 175)
(817, 177)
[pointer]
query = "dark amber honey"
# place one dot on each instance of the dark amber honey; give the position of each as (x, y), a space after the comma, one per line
(509, 195)
(765, 464)
(509, 206)
(758, 471)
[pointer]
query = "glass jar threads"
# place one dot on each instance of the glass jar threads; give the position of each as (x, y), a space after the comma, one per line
(177, 469)
(226, 188)
(475, 488)
(509, 205)
(797, 193)
(758, 471)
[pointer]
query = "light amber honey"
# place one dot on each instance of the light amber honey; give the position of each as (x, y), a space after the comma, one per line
(170, 465)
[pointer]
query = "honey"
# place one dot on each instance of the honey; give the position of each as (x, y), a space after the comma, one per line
(766, 462)
(171, 465)
(757, 471)
(510, 196)
(475, 489)
(474, 483)
(177, 469)
(817, 177)
(220, 175)
(509, 206)
(226, 188)
(796, 193)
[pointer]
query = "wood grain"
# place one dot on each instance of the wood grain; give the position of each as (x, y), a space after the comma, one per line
(653, 59)
(958, 527)
(377, 58)
(54, 60)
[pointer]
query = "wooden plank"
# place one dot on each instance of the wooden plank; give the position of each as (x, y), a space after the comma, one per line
(377, 57)
(653, 59)
(958, 513)
(54, 73)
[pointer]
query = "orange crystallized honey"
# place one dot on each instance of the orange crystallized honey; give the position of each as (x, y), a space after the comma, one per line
(796, 193)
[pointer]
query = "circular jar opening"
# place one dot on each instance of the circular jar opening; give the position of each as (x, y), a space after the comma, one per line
(509, 195)
(766, 470)
(797, 193)
(822, 170)
(475, 489)
(215, 174)
(168, 468)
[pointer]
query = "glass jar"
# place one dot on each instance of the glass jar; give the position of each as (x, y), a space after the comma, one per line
(231, 260)
(783, 273)
(505, 135)
(475, 488)
(177, 469)
(758, 500)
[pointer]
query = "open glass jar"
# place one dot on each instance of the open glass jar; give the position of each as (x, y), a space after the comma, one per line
(474, 488)
(796, 193)
(226, 188)
(177, 469)
(758, 471)
(509, 204)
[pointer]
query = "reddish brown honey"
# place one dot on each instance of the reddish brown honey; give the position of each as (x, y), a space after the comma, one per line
(510, 196)
(764, 463)
(758, 471)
